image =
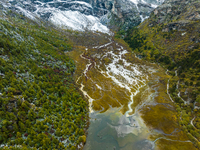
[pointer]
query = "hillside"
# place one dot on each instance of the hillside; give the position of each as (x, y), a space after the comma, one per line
(171, 37)
(40, 105)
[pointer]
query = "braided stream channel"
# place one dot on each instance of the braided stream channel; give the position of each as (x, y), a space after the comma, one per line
(128, 101)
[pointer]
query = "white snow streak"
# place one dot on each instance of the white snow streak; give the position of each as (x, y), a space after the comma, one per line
(77, 21)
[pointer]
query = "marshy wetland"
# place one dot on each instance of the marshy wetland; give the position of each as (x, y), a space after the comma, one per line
(129, 104)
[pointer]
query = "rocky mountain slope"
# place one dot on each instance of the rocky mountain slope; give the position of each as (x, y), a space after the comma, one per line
(98, 15)
(171, 37)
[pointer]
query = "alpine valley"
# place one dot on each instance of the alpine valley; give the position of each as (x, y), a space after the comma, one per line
(100, 74)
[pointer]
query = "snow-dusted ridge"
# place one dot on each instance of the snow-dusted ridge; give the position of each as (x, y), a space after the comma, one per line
(67, 15)
(84, 14)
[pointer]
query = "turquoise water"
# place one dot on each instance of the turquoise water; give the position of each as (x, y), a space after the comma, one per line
(113, 131)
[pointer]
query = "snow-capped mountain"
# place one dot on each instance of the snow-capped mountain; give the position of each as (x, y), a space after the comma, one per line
(96, 15)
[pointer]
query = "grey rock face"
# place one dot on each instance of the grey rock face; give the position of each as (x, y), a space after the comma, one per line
(125, 13)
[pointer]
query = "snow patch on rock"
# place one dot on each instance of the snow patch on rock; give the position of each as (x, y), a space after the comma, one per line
(77, 21)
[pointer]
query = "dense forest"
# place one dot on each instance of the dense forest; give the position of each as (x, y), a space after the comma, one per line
(177, 50)
(40, 107)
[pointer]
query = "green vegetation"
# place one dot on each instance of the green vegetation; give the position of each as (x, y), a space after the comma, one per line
(177, 50)
(40, 108)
